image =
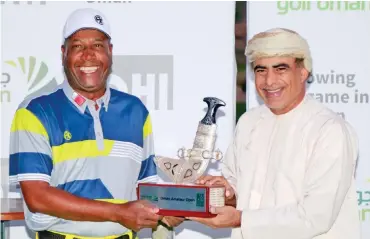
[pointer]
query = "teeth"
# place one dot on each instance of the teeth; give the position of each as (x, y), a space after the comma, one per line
(88, 69)
(273, 91)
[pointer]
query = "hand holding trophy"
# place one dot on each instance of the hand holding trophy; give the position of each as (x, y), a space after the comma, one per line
(183, 198)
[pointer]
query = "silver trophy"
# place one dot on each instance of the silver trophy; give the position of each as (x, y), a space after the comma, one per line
(180, 198)
(192, 163)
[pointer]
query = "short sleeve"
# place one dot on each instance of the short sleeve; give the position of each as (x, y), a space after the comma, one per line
(30, 152)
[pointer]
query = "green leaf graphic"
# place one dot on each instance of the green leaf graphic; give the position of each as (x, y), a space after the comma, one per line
(41, 73)
(12, 63)
(21, 62)
(43, 70)
(31, 67)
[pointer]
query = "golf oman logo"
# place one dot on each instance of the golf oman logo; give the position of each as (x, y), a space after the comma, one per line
(35, 77)
(41, 72)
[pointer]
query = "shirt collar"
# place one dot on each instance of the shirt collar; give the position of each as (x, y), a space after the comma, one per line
(81, 102)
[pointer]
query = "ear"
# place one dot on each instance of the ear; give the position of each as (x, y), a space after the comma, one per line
(110, 48)
(304, 74)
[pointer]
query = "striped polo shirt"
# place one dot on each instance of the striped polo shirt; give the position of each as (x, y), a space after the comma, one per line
(98, 153)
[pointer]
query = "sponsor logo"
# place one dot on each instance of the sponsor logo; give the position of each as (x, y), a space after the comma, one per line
(34, 77)
(286, 7)
(150, 198)
(149, 77)
(200, 200)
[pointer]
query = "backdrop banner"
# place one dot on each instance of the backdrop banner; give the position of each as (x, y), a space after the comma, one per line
(338, 34)
(170, 54)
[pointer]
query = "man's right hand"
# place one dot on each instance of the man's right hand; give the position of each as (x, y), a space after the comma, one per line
(137, 215)
(219, 180)
(40, 197)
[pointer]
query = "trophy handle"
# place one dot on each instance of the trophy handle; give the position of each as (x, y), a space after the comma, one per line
(181, 153)
(184, 153)
(217, 155)
(213, 105)
(195, 160)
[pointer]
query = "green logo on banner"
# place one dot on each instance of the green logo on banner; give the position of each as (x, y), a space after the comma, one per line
(35, 74)
(285, 7)
(200, 200)
(33, 77)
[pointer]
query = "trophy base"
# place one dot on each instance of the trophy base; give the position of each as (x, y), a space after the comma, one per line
(183, 200)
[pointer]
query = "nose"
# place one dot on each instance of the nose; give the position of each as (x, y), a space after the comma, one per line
(88, 54)
(271, 78)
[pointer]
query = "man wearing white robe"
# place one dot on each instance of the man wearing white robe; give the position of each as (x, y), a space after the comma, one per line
(289, 171)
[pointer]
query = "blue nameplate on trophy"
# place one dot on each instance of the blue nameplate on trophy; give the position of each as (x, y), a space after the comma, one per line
(182, 200)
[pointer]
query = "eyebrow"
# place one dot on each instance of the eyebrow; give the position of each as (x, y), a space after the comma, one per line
(99, 39)
(274, 66)
(96, 39)
(281, 65)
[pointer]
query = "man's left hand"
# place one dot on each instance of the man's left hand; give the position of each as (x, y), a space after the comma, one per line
(227, 217)
(172, 221)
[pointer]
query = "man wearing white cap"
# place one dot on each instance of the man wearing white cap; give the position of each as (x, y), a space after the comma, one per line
(289, 171)
(79, 152)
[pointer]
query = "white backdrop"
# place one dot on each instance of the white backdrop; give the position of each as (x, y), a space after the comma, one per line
(339, 36)
(187, 46)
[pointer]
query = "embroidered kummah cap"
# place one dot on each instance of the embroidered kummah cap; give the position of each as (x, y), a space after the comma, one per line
(86, 18)
(279, 42)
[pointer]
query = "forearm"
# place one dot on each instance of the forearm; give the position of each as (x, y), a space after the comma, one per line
(58, 203)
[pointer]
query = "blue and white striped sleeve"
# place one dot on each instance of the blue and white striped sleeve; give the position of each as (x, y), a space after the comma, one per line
(30, 154)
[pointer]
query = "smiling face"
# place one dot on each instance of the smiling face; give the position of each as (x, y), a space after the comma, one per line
(87, 61)
(280, 82)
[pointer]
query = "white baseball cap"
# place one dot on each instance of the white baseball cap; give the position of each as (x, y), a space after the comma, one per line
(86, 18)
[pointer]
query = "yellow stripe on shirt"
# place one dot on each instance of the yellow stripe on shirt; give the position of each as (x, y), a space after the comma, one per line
(80, 149)
(72, 236)
(25, 120)
(147, 128)
(114, 201)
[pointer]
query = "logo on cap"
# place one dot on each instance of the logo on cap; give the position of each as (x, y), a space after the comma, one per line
(99, 19)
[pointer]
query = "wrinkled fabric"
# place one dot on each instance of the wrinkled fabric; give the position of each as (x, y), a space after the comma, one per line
(294, 174)
(279, 43)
